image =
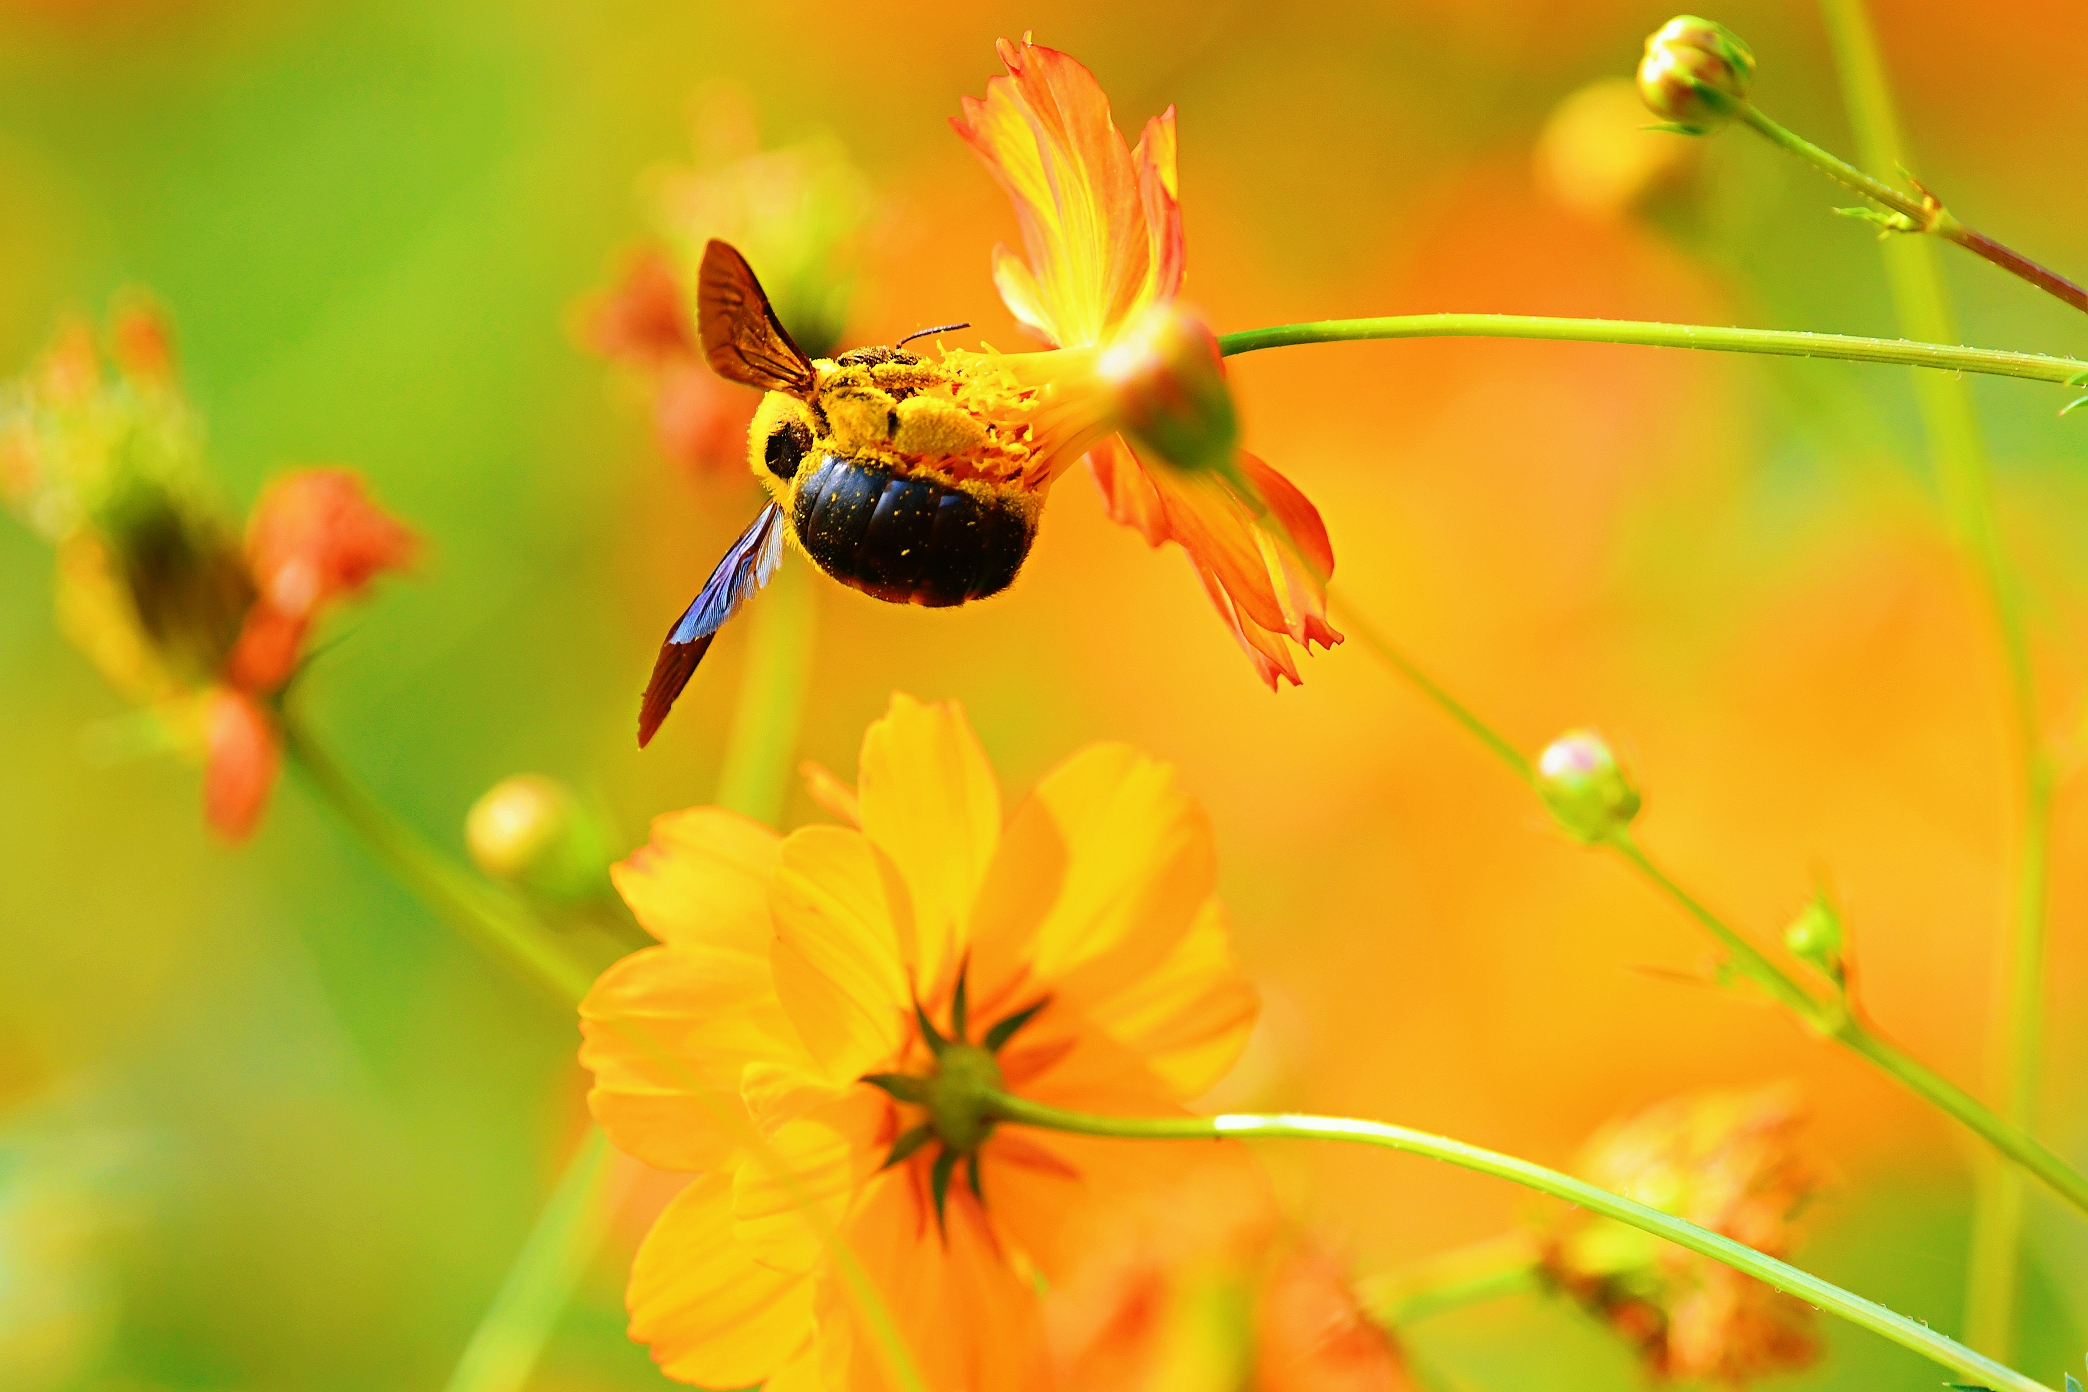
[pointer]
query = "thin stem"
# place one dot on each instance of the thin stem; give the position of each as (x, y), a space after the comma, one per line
(1831, 1018)
(1963, 471)
(455, 896)
(1394, 656)
(1781, 343)
(1485, 1271)
(1866, 1314)
(511, 1336)
(764, 740)
(1924, 214)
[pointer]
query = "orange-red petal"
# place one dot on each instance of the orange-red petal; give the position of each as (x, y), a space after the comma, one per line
(243, 758)
(315, 536)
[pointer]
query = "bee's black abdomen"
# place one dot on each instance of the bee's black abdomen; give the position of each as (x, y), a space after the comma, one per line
(909, 540)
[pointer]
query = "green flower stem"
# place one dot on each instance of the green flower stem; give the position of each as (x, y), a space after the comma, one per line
(1781, 343)
(1867, 1314)
(527, 946)
(1831, 1017)
(762, 748)
(1962, 470)
(459, 898)
(1921, 214)
(504, 1348)
(1501, 1266)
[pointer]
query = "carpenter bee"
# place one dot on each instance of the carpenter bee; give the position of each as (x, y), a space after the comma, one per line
(914, 481)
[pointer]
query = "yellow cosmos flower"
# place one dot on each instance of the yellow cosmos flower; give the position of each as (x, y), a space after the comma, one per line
(847, 988)
(1132, 381)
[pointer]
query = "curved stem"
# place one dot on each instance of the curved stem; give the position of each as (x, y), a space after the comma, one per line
(1781, 343)
(1924, 214)
(1831, 1017)
(1867, 1314)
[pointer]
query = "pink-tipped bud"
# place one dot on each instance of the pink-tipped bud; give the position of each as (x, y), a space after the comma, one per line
(533, 833)
(1168, 391)
(1695, 74)
(1585, 791)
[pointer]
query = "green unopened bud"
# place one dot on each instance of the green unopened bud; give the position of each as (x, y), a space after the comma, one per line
(1815, 935)
(1695, 74)
(533, 833)
(1167, 381)
(1583, 788)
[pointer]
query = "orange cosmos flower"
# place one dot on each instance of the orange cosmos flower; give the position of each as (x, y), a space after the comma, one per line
(1727, 1161)
(153, 582)
(1102, 229)
(843, 990)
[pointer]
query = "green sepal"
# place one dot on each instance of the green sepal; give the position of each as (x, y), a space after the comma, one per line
(902, 1086)
(2079, 379)
(939, 1186)
(930, 1036)
(907, 1144)
(971, 1176)
(1676, 128)
(1891, 222)
(1004, 1031)
(960, 1005)
(2074, 405)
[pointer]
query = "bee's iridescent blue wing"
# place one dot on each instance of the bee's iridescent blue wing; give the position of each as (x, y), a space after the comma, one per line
(749, 565)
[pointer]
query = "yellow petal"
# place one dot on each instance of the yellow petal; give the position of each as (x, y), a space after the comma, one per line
(839, 959)
(667, 1033)
(703, 878)
(1189, 1017)
(824, 1155)
(712, 1315)
(930, 802)
(1134, 867)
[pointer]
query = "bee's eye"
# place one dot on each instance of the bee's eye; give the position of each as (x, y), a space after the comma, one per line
(786, 447)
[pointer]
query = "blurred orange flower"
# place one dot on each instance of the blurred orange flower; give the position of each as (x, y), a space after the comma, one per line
(153, 583)
(1102, 229)
(844, 993)
(1727, 1161)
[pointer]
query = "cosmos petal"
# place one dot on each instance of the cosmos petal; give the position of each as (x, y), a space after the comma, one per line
(930, 801)
(1128, 496)
(667, 1033)
(1130, 859)
(1190, 1016)
(825, 1154)
(703, 879)
(1160, 192)
(1044, 130)
(712, 1315)
(844, 929)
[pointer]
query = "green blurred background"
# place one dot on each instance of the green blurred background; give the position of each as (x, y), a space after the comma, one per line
(269, 1125)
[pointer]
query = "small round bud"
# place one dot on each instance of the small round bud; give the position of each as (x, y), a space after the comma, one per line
(1695, 74)
(1167, 381)
(1583, 788)
(1815, 936)
(531, 832)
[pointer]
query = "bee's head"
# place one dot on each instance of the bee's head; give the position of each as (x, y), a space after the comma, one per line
(781, 436)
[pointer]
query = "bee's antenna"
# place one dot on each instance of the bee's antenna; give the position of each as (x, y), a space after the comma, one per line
(939, 328)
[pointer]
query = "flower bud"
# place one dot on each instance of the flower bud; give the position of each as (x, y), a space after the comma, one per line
(1583, 788)
(531, 832)
(1815, 935)
(1167, 385)
(1695, 74)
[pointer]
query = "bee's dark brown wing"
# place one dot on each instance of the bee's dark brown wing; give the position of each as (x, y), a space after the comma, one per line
(742, 338)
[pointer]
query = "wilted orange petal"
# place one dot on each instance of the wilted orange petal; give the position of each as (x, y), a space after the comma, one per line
(266, 655)
(243, 758)
(712, 1315)
(1312, 1336)
(1128, 496)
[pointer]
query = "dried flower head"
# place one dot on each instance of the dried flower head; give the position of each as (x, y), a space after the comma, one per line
(1726, 1161)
